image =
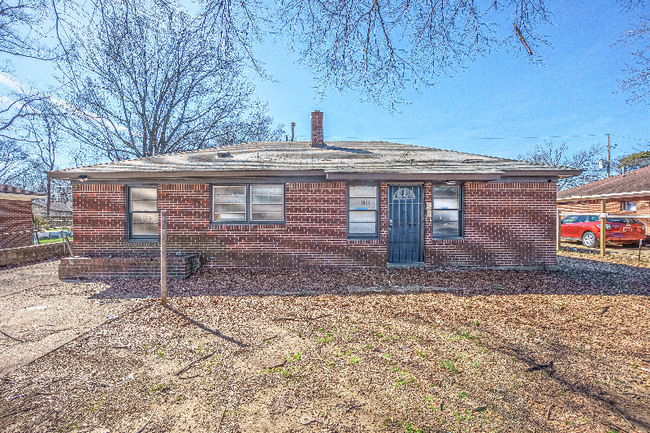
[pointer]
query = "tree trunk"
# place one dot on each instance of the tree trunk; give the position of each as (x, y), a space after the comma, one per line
(49, 193)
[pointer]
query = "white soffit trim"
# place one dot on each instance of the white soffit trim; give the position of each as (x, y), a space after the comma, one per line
(602, 196)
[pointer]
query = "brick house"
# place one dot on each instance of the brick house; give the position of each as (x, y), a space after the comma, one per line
(16, 221)
(625, 194)
(325, 204)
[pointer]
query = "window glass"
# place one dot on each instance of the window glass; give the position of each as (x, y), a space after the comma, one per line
(445, 197)
(143, 212)
(593, 218)
(229, 203)
(446, 215)
(628, 206)
(362, 211)
(569, 220)
(581, 219)
(267, 203)
(248, 203)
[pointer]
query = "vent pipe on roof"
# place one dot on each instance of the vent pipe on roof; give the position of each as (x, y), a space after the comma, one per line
(317, 129)
(293, 130)
(623, 171)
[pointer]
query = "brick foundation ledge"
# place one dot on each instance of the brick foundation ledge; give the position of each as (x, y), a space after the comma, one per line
(95, 268)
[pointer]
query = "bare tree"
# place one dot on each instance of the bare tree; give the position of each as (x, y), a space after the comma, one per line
(638, 73)
(381, 47)
(551, 154)
(20, 31)
(45, 138)
(14, 161)
(257, 125)
(149, 79)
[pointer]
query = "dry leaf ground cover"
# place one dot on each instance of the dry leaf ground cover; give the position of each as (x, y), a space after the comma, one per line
(504, 351)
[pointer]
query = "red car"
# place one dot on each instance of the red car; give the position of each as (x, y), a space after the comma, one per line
(619, 230)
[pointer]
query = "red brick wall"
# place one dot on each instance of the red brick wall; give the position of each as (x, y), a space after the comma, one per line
(85, 268)
(612, 206)
(15, 223)
(32, 253)
(506, 224)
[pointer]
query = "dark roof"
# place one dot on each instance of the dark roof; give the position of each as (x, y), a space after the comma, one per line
(55, 205)
(335, 161)
(12, 190)
(631, 184)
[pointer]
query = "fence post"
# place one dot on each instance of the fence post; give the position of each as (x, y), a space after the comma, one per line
(603, 228)
(558, 230)
(163, 256)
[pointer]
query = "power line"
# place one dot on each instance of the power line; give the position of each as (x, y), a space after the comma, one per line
(630, 138)
(477, 138)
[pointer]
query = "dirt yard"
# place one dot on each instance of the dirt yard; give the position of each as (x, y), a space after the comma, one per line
(473, 351)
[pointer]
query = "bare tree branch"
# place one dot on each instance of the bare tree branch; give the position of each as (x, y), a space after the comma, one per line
(551, 154)
(149, 80)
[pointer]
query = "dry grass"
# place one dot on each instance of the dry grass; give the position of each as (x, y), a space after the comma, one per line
(513, 352)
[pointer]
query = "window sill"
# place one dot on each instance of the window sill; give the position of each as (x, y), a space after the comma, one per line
(450, 238)
(244, 223)
(363, 238)
(143, 241)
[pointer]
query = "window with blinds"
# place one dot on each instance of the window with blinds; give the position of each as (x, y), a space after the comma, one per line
(446, 216)
(248, 203)
(363, 211)
(143, 213)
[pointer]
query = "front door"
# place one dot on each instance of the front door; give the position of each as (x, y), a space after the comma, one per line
(405, 229)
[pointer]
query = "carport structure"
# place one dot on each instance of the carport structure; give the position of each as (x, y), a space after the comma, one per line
(625, 195)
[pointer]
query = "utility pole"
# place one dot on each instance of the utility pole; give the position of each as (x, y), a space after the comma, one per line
(607, 155)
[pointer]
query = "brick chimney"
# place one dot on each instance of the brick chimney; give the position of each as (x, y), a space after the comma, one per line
(317, 129)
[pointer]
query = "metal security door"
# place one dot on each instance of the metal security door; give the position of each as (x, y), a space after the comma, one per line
(405, 229)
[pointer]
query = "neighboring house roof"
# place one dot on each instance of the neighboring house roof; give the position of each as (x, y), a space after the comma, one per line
(8, 192)
(336, 160)
(56, 206)
(629, 185)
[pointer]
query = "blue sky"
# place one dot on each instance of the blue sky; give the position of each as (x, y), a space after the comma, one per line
(573, 97)
(501, 105)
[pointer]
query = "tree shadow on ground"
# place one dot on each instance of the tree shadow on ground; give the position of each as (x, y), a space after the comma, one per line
(627, 406)
(205, 328)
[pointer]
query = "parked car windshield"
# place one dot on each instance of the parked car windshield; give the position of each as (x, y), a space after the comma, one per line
(621, 220)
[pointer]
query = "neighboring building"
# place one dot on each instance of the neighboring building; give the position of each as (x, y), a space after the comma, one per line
(57, 208)
(16, 220)
(625, 194)
(338, 204)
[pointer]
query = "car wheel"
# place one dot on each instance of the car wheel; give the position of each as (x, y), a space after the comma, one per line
(590, 240)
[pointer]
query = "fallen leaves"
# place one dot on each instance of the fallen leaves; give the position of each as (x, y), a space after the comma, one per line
(513, 351)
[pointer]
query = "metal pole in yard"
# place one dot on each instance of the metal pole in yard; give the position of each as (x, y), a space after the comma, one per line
(558, 230)
(163, 257)
(640, 245)
(603, 228)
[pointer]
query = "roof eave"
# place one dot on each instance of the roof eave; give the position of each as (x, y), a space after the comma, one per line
(342, 176)
(614, 195)
(544, 173)
(20, 197)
